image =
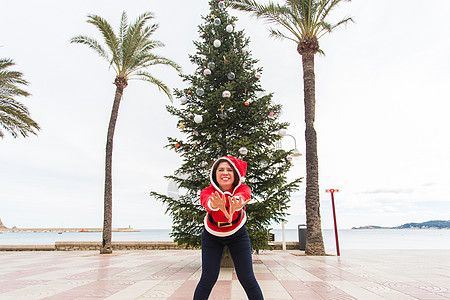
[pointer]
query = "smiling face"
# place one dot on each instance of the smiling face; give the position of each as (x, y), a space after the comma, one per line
(225, 176)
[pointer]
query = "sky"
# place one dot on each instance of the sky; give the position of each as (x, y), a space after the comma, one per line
(382, 103)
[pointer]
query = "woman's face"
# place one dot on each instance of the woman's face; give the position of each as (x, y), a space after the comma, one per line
(225, 176)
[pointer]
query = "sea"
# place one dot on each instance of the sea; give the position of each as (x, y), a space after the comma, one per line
(348, 238)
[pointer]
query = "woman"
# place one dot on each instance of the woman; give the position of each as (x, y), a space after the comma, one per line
(225, 201)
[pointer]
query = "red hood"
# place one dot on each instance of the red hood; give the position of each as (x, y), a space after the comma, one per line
(239, 165)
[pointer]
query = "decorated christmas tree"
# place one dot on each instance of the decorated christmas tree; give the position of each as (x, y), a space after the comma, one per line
(224, 111)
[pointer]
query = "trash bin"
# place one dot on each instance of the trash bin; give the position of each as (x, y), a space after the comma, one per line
(302, 236)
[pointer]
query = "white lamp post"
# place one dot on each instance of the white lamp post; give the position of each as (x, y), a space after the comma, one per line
(295, 153)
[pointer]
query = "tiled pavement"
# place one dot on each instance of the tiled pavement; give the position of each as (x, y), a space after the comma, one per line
(167, 274)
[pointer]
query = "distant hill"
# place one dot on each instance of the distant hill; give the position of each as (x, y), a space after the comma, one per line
(424, 225)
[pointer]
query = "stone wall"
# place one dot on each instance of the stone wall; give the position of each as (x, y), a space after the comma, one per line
(27, 248)
(77, 246)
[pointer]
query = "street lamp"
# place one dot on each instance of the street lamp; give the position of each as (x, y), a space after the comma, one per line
(295, 153)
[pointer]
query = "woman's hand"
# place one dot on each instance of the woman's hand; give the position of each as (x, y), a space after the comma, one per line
(219, 201)
(235, 205)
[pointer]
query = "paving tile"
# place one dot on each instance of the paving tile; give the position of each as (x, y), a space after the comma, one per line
(174, 274)
(134, 291)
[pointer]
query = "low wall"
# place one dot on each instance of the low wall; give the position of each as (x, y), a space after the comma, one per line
(27, 248)
(151, 245)
(77, 246)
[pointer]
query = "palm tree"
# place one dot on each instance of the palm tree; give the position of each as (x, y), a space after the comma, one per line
(129, 54)
(304, 22)
(14, 116)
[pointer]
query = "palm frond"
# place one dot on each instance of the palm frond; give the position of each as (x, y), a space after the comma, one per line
(342, 22)
(10, 78)
(326, 7)
(5, 63)
(9, 91)
(131, 49)
(93, 44)
(133, 38)
(145, 59)
(142, 75)
(296, 12)
(271, 12)
(17, 123)
(109, 37)
(148, 45)
(302, 18)
(277, 34)
(123, 27)
(122, 30)
(149, 30)
(15, 117)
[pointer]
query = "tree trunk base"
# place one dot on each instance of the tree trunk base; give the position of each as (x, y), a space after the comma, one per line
(227, 261)
(105, 250)
(315, 250)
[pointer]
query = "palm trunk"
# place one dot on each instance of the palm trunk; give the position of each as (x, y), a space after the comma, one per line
(314, 239)
(106, 247)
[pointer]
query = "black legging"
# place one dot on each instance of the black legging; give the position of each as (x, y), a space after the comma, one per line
(241, 253)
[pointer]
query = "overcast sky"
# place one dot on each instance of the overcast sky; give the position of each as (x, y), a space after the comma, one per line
(382, 93)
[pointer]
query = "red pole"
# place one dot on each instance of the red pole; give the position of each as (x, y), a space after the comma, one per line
(335, 225)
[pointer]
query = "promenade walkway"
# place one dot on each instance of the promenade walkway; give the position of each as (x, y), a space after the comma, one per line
(173, 274)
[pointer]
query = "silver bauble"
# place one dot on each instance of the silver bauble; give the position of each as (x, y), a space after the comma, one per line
(200, 91)
(243, 151)
(198, 119)
(226, 94)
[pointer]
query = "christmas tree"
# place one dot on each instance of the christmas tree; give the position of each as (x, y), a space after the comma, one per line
(224, 111)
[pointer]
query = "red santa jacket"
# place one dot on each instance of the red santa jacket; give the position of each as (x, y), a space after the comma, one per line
(213, 217)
